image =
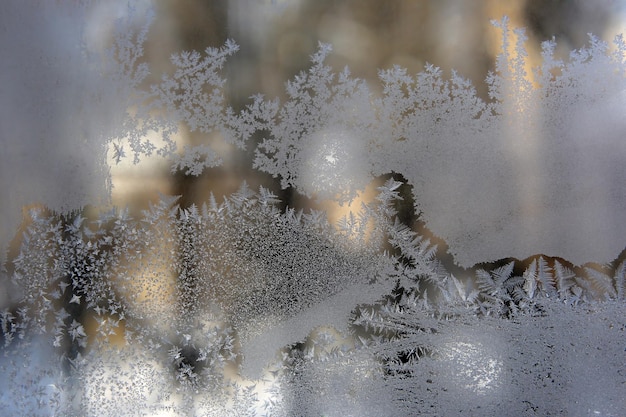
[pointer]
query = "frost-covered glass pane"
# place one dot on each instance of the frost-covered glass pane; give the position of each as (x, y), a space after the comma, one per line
(311, 208)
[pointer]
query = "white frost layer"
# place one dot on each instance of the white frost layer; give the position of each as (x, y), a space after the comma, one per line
(333, 312)
(538, 169)
(570, 362)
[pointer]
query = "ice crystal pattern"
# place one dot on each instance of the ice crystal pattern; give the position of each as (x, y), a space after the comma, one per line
(542, 163)
(242, 307)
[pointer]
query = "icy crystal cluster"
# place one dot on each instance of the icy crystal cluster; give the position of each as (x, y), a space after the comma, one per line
(242, 306)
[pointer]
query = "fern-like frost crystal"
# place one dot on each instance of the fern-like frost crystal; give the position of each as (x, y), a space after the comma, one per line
(243, 307)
